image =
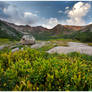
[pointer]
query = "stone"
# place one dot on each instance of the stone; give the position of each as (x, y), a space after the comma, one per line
(38, 45)
(73, 47)
(27, 40)
(15, 49)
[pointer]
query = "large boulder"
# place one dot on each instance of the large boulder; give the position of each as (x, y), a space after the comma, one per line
(28, 40)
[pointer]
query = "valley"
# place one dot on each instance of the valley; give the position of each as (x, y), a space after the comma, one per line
(60, 59)
(60, 35)
(46, 45)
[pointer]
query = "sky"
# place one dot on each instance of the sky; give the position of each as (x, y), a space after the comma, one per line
(46, 13)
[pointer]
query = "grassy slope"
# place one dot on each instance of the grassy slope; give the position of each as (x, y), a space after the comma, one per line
(79, 35)
(8, 32)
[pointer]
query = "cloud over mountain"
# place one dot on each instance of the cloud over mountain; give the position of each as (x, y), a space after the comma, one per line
(46, 14)
(50, 23)
(77, 13)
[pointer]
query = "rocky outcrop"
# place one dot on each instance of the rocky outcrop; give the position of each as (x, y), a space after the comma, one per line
(73, 47)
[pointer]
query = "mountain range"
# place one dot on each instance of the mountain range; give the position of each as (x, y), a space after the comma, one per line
(15, 32)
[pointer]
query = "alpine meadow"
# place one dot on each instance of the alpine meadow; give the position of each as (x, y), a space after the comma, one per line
(45, 45)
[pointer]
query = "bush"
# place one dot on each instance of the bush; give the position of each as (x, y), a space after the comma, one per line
(37, 71)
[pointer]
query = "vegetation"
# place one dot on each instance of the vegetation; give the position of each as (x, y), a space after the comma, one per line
(4, 41)
(31, 69)
(90, 44)
(84, 36)
(35, 70)
(53, 43)
(7, 32)
(81, 36)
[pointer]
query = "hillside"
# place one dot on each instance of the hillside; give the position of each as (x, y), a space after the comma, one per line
(41, 33)
(39, 29)
(26, 28)
(82, 33)
(9, 32)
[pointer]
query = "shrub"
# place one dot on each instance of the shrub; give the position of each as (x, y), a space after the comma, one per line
(32, 70)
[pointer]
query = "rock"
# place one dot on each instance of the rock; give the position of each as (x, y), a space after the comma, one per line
(73, 47)
(27, 40)
(38, 45)
(15, 49)
(22, 48)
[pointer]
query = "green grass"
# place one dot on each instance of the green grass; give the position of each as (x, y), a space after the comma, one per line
(54, 43)
(47, 47)
(4, 41)
(7, 41)
(39, 71)
(79, 36)
(90, 44)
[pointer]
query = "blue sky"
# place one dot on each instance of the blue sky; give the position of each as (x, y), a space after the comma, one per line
(47, 13)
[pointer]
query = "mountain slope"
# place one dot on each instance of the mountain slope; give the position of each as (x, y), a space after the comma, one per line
(41, 33)
(9, 32)
(82, 33)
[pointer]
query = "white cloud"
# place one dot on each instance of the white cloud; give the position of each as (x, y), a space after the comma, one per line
(30, 18)
(60, 11)
(90, 23)
(26, 14)
(18, 17)
(50, 23)
(11, 11)
(77, 13)
(67, 7)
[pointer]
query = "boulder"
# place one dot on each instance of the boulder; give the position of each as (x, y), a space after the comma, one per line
(27, 40)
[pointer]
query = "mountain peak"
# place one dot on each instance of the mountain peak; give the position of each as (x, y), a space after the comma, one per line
(27, 26)
(58, 25)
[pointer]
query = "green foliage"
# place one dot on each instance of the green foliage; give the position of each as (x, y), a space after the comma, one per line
(31, 69)
(81, 36)
(84, 36)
